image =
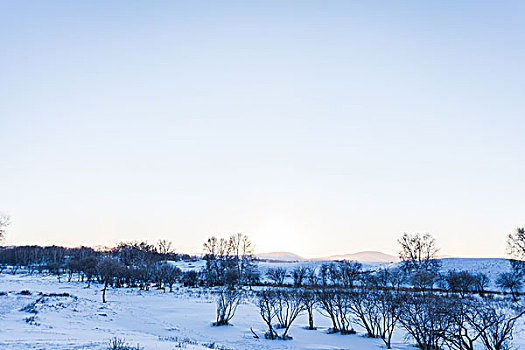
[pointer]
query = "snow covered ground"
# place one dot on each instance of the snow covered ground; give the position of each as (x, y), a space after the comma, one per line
(161, 320)
(154, 319)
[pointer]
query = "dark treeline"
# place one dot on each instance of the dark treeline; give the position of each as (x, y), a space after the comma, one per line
(129, 264)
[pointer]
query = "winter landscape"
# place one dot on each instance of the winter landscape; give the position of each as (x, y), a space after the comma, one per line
(141, 296)
(262, 174)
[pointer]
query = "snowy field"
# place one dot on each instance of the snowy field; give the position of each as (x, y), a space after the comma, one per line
(154, 319)
(162, 320)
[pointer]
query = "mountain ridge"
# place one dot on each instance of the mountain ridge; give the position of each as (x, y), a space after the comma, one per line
(368, 256)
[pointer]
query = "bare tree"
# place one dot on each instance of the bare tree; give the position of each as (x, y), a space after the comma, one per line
(229, 258)
(418, 252)
(516, 243)
(4, 222)
(461, 282)
(242, 250)
(461, 335)
(171, 274)
(363, 307)
(425, 318)
(299, 275)
(345, 273)
(497, 322)
(284, 305)
(511, 282)
(277, 275)
(228, 299)
(392, 278)
(288, 306)
(266, 305)
(310, 301)
(107, 271)
(388, 312)
(487, 321)
(165, 247)
(481, 283)
(335, 303)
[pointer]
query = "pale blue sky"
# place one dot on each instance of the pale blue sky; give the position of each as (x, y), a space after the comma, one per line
(318, 127)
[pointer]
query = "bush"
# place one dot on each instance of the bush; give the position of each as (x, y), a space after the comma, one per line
(227, 301)
(120, 344)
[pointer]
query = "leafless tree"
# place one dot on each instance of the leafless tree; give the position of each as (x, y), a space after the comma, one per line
(487, 321)
(4, 222)
(516, 243)
(288, 306)
(423, 279)
(388, 306)
(481, 283)
(299, 275)
(418, 252)
(363, 307)
(310, 301)
(107, 270)
(277, 275)
(461, 282)
(242, 249)
(165, 247)
(170, 275)
(496, 323)
(516, 249)
(467, 325)
(335, 303)
(229, 258)
(266, 305)
(511, 282)
(346, 273)
(425, 318)
(392, 278)
(228, 299)
(280, 304)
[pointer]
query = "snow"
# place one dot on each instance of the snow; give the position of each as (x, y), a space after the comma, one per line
(490, 267)
(280, 256)
(161, 320)
(367, 257)
(154, 319)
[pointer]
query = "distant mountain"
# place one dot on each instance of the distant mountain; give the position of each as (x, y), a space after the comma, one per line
(279, 256)
(364, 257)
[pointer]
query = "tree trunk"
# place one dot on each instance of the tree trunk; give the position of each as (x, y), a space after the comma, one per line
(310, 319)
(104, 292)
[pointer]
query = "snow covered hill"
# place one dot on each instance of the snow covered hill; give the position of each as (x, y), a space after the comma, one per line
(364, 257)
(367, 257)
(279, 256)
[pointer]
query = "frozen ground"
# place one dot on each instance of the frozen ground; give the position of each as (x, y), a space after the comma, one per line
(155, 319)
(158, 320)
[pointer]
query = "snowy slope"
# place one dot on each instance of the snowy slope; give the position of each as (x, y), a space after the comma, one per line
(490, 267)
(279, 256)
(364, 257)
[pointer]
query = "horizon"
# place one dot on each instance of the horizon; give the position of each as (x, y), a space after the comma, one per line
(256, 253)
(317, 129)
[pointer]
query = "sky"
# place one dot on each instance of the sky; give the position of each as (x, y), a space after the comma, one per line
(316, 127)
